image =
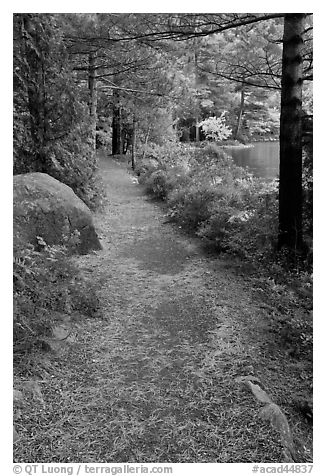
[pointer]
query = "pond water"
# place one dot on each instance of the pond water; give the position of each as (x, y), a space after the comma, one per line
(261, 158)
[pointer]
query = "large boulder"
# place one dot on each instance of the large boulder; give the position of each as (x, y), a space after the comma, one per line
(47, 208)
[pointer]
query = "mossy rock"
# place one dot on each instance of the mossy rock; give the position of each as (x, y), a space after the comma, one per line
(47, 208)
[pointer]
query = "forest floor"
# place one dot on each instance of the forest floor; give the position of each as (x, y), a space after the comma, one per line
(154, 378)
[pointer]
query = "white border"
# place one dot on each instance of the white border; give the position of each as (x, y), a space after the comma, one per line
(319, 199)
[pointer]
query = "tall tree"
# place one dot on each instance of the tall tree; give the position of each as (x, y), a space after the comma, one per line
(290, 191)
(30, 67)
(296, 66)
(117, 139)
(52, 130)
(92, 103)
(44, 91)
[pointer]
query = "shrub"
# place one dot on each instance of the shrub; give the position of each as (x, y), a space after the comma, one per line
(215, 128)
(156, 184)
(213, 150)
(170, 154)
(144, 168)
(161, 183)
(224, 204)
(46, 283)
(53, 132)
(244, 221)
(72, 161)
(212, 165)
(210, 195)
(190, 204)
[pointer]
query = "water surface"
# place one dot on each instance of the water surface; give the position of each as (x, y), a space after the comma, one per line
(261, 158)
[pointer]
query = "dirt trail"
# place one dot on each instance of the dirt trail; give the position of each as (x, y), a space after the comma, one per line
(153, 380)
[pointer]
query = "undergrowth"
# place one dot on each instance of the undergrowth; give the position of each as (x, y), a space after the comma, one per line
(47, 286)
(208, 195)
(219, 201)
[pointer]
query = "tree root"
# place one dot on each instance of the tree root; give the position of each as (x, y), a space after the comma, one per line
(273, 413)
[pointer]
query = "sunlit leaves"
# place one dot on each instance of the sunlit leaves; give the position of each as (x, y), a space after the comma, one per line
(215, 128)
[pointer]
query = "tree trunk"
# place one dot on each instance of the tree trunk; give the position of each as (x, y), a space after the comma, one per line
(133, 143)
(35, 90)
(146, 141)
(197, 137)
(121, 134)
(116, 138)
(290, 190)
(240, 114)
(92, 86)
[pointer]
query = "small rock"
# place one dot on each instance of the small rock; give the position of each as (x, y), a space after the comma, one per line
(17, 395)
(15, 435)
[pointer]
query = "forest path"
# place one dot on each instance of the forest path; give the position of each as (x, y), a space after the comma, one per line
(178, 327)
(153, 378)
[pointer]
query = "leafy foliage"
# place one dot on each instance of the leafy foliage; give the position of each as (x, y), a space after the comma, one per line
(215, 128)
(221, 202)
(238, 214)
(72, 161)
(47, 285)
(52, 128)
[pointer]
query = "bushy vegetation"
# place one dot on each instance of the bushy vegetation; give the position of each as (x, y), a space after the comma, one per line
(52, 126)
(215, 128)
(52, 134)
(73, 162)
(207, 194)
(47, 286)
